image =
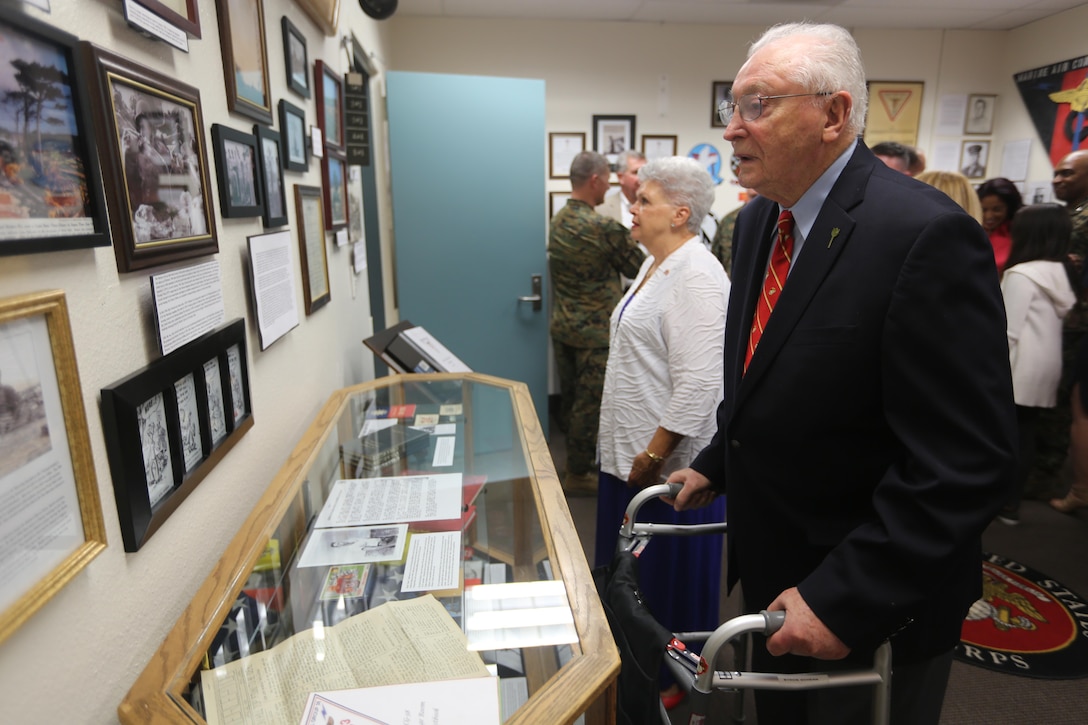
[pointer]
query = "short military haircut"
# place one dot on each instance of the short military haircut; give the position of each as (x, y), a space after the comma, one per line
(585, 165)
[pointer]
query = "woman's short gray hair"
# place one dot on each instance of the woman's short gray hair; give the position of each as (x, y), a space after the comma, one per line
(685, 182)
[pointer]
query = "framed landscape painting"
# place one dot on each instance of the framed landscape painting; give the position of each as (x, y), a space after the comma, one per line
(245, 58)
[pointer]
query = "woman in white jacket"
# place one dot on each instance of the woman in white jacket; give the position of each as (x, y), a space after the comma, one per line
(1038, 292)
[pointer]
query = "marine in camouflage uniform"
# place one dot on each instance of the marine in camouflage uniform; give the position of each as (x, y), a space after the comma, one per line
(722, 244)
(587, 253)
(1052, 431)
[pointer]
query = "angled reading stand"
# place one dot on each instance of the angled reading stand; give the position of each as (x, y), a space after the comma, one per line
(267, 608)
(407, 348)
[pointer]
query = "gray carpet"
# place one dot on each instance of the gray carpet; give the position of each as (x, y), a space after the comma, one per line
(1051, 543)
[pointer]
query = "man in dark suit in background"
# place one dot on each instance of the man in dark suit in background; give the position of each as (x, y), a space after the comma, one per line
(869, 439)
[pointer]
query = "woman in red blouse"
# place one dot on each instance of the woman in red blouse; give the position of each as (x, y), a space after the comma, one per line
(1000, 201)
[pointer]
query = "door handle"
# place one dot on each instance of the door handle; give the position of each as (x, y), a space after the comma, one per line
(536, 297)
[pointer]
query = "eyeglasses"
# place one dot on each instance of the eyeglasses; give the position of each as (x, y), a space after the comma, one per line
(751, 105)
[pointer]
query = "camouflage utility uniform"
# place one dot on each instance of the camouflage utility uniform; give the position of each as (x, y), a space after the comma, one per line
(587, 253)
(1052, 429)
(722, 244)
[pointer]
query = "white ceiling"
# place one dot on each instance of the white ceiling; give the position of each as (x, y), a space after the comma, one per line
(949, 14)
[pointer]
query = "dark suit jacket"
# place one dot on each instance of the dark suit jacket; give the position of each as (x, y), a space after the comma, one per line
(872, 438)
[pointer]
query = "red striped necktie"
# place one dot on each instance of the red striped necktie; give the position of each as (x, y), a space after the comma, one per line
(773, 282)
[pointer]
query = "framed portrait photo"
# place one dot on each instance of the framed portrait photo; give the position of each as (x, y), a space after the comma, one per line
(719, 91)
(309, 213)
(184, 14)
(245, 58)
(270, 172)
(330, 105)
(658, 147)
(974, 156)
(236, 160)
(296, 154)
(334, 180)
(52, 519)
(326, 13)
(612, 135)
(562, 148)
(295, 58)
(168, 424)
(51, 197)
(154, 163)
(980, 113)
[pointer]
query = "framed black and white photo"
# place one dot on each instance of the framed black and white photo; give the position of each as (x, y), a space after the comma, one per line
(51, 197)
(239, 180)
(296, 154)
(719, 91)
(50, 516)
(154, 163)
(612, 135)
(562, 148)
(973, 158)
(270, 165)
(658, 147)
(168, 424)
(980, 113)
(296, 58)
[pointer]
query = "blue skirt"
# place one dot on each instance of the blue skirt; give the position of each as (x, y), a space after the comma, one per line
(680, 576)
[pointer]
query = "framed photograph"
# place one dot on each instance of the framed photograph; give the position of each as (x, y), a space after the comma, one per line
(719, 91)
(973, 158)
(237, 165)
(980, 113)
(658, 147)
(612, 135)
(154, 163)
(296, 58)
(168, 424)
(556, 201)
(184, 14)
(270, 172)
(52, 523)
(296, 155)
(245, 58)
(311, 245)
(51, 197)
(326, 13)
(330, 105)
(334, 181)
(562, 148)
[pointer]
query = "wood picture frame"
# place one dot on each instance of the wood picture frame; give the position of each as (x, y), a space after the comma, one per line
(612, 135)
(183, 14)
(658, 147)
(296, 58)
(719, 91)
(238, 167)
(563, 146)
(245, 58)
(329, 96)
(52, 197)
(270, 173)
(310, 218)
(296, 150)
(334, 184)
(154, 163)
(556, 201)
(979, 118)
(158, 454)
(53, 524)
(325, 13)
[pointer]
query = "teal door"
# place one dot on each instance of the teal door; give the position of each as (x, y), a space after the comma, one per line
(467, 161)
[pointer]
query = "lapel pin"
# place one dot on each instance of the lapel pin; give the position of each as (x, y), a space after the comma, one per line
(834, 233)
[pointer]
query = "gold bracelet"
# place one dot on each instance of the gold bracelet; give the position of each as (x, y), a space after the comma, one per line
(654, 457)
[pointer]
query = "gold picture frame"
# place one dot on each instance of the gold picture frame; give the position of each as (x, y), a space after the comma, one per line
(325, 13)
(50, 493)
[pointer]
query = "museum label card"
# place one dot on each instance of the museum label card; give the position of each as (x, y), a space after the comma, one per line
(358, 501)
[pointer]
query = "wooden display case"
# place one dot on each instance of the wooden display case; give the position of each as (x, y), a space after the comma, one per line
(257, 596)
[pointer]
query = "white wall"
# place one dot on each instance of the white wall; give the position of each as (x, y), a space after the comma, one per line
(76, 658)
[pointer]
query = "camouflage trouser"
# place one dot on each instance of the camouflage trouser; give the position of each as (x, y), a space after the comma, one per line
(1052, 427)
(581, 382)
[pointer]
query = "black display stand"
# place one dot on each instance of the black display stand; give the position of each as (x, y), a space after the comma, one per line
(400, 353)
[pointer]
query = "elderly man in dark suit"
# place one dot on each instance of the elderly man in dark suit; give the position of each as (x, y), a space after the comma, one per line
(867, 431)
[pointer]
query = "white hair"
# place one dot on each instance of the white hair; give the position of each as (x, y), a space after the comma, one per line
(685, 182)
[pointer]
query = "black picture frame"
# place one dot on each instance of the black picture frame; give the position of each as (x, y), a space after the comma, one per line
(612, 135)
(236, 164)
(270, 173)
(296, 58)
(160, 205)
(334, 183)
(329, 95)
(295, 146)
(63, 199)
(129, 439)
(719, 91)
